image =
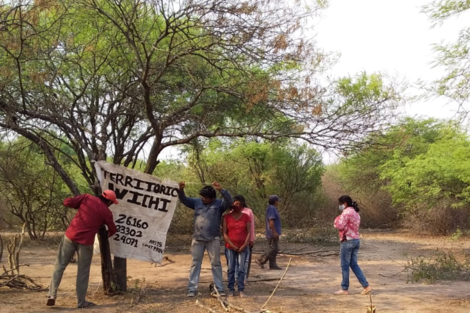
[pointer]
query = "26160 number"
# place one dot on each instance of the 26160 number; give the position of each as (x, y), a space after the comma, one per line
(131, 221)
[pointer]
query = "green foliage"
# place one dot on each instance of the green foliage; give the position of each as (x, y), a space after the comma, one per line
(30, 189)
(437, 172)
(444, 266)
(257, 169)
(420, 168)
(452, 57)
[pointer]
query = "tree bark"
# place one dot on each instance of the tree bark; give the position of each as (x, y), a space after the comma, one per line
(109, 282)
(120, 268)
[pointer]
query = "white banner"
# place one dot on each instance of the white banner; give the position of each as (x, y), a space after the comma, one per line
(144, 213)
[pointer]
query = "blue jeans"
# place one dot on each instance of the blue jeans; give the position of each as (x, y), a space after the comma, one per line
(348, 253)
(236, 260)
(197, 253)
(247, 263)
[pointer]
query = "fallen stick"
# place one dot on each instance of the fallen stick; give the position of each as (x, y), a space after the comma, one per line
(219, 298)
(307, 252)
(390, 276)
(236, 308)
(205, 307)
(272, 294)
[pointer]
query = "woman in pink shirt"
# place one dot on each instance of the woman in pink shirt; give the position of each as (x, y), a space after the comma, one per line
(348, 226)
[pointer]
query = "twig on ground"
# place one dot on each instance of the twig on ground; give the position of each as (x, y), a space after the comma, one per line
(236, 308)
(13, 269)
(205, 307)
(390, 276)
(301, 253)
(223, 303)
(272, 294)
(20, 282)
(320, 253)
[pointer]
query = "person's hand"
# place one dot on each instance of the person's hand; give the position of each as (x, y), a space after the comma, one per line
(242, 248)
(182, 184)
(217, 186)
(252, 244)
(235, 248)
(275, 235)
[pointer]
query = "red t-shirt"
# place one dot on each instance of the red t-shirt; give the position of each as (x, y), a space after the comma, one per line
(236, 229)
(91, 214)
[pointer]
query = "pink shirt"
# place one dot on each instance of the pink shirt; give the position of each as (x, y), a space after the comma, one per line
(348, 224)
(249, 212)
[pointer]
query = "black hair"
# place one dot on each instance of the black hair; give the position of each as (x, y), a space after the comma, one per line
(208, 192)
(105, 200)
(272, 201)
(349, 202)
(241, 199)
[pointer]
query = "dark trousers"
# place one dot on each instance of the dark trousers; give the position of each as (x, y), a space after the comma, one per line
(272, 252)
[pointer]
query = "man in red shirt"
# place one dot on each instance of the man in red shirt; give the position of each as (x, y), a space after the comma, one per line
(92, 213)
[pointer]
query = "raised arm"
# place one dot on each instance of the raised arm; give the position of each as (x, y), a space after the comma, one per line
(189, 202)
(227, 198)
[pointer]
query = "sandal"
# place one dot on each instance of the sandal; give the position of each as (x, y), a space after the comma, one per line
(86, 304)
(341, 292)
(50, 302)
(366, 290)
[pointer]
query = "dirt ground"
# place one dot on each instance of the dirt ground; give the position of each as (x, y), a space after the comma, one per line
(307, 287)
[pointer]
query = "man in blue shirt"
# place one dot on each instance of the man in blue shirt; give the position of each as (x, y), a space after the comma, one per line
(273, 231)
(207, 216)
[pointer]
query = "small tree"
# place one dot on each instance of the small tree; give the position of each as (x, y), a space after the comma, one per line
(32, 190)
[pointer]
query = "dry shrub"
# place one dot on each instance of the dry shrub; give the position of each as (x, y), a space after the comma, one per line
(376, 206)
(442, 219)
(443, 266)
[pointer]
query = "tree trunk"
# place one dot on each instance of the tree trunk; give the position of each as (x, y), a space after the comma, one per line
(109, 282)
(120, 268)
(1, 248)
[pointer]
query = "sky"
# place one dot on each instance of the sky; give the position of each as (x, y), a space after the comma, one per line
(389, 36)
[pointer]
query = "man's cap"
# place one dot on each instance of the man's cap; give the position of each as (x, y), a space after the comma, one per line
(110, 195)
(274, 198)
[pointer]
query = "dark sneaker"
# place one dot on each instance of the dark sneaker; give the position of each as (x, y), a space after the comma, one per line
(221, 293)
(275, 267)
(50, 302)
(86, 304)
(259, 263)
(191, 293)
